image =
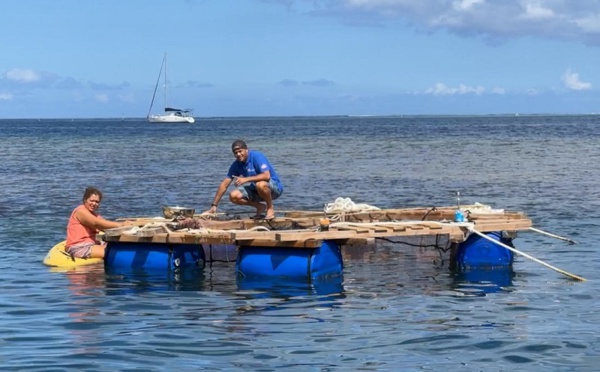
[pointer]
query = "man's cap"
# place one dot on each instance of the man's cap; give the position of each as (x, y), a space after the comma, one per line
(238, 144)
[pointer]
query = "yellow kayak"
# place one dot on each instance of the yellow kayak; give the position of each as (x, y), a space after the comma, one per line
(57, 257)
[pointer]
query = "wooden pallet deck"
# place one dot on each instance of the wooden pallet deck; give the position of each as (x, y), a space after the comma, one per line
(300, 229)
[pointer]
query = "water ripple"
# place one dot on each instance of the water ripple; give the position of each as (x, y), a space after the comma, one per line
(397, 306)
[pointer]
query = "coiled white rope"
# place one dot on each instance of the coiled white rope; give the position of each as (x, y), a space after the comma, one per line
(347, 205)
(208, 231)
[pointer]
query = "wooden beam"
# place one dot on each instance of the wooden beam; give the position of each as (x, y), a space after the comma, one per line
(512, 225)
(283, 244)
(283, 236)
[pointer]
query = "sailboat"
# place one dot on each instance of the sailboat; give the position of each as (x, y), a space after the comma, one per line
(171, 115)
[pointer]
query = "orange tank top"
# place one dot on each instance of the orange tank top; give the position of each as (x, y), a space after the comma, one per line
(77, 233)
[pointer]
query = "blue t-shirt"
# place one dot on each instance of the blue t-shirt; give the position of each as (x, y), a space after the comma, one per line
(256, 163)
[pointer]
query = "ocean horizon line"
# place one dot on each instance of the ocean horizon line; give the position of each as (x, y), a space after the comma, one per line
(358, 116)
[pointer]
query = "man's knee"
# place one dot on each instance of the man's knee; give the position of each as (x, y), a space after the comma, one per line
(235, 196)
(262, 185)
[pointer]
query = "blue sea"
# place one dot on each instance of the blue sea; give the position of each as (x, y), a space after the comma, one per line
(397, 307)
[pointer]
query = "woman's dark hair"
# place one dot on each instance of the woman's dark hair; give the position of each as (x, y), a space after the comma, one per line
(91, 191)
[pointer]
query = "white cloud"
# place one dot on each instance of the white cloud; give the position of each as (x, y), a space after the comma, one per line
(441, 89)
(535, 10)
(22, 75)
(589, 23)
(465, 4)
(6, 96)
(493, 19)
(128, 97)
(101, 98)
(78, 97)
(319, 83)
(571, 81)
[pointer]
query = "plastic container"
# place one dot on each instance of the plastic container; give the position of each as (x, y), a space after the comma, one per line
(305, 263)
(154, 256)
(478, 252)
(459, 216)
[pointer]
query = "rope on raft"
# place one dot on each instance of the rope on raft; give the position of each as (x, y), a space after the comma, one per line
(347, 205)
(527, 256)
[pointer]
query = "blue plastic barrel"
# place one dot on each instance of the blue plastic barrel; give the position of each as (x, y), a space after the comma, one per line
(478, 252)
(307, 263)
(154, 256)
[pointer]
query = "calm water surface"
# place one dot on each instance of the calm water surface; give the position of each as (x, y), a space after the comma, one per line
(397, 307)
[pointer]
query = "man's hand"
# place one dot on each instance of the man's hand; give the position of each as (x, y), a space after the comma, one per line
(212, 210)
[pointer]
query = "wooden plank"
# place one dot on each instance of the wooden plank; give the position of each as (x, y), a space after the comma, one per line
(305, 223)
(249, 235)
(214, 237)
(492, 216)
(501, 220)
(176, 238)
(150, 231)
(433, 226)
(351, 227)
(363, 228)
(117, 231)
(141, 221)
(284, 236)
(513, 225)
(281, 244)
(214, 240)
(380, 229)
(394, 226)
(458, 236)
(127, 239)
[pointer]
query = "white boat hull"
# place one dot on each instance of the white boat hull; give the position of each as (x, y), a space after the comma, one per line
(170, 118)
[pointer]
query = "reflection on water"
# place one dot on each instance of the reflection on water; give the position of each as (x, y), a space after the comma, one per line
(95, 279)
(481, 282)
(134, 280)
(282, 287)
(84, 280)
(432, 261)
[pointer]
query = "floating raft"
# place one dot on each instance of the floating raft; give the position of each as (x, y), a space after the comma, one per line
(303, 229)
(308, 244)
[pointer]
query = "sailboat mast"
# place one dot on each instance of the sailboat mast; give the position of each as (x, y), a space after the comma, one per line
(165, 65)
(162, 65)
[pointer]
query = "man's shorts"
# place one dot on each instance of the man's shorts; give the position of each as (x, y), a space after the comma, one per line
(249, 191)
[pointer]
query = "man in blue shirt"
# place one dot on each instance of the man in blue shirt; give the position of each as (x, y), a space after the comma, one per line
(255, 179)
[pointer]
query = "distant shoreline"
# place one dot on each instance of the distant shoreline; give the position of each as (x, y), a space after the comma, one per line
(398, 116)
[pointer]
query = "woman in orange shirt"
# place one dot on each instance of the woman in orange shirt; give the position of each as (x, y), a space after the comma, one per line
(84, 224)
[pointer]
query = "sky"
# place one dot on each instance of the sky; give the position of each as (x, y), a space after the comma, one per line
(230, 58)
